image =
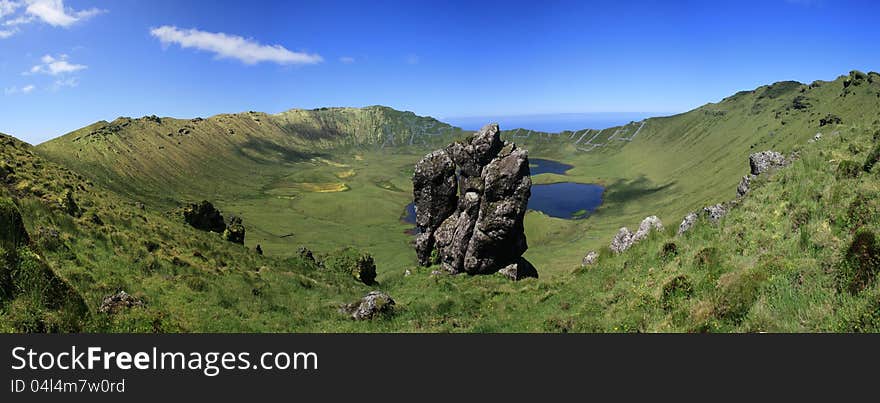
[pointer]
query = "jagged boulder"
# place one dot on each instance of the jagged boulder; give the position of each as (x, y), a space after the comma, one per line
(590, 258)
(765, 160)
(688, 222)
(482, 231)
(119, 301)
(12, 230)
(372, 305)
(519, 270)
(235, 231)
(204, 216)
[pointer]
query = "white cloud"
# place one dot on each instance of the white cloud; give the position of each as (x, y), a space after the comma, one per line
(346, 59)
(27, 89)
(55, 66)
(8, 7)
(7, 33)
(248, 51)
(54, 13)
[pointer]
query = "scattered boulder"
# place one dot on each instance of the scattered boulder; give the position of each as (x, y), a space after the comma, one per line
(590, 258)
(646, 226)
(626, 238)
(117, 302)
(715, 212)
(689, 220)
(482, 231)
(622, 241)
(519, 270)
(371, 306)
(765, 160)
(816, 138)
(12, 230)
(234, 232)
(204, 216)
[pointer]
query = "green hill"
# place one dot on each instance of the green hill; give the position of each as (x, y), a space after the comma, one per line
(796, 254)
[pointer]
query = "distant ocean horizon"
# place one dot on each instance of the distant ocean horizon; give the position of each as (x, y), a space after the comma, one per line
(553, 123)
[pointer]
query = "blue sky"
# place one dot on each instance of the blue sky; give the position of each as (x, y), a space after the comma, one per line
(66, 64)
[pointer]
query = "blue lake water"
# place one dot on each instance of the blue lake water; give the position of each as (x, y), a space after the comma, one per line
(567, 200)
(539, 166)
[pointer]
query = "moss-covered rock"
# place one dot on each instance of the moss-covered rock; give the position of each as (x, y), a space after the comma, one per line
(234, 232)
(358, 264)
(204, 216)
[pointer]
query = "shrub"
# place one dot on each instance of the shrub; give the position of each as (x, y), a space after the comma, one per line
(736, 292)
(848, 169)
(861, 262)
(358, 264)
(669, 251)
(677, 287)
(862, 210)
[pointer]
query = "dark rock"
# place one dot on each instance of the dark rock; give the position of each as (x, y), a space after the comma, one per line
(234, 232)
(829, 120)
(371, 306)
(482, 231)
(117, 302)
(519, 270)
(765, 160)
(205, 217)
(259, 250)
(306, 254)
(12, 230)
(365, 269)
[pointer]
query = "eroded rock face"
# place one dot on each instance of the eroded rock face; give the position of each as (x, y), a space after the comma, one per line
(762, 162)
(473, 220)
(372, 305)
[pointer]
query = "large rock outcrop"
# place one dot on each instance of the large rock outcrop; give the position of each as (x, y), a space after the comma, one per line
(470, 201)
(762, 162)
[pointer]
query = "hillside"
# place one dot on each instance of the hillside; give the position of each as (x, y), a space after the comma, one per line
(797, 253)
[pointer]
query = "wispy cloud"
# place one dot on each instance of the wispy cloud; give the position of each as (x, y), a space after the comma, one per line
(66, 82)
(346, 59)
(54, 13)
(54, 66)
(6, 33)
(248, 51)
(27, 89)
